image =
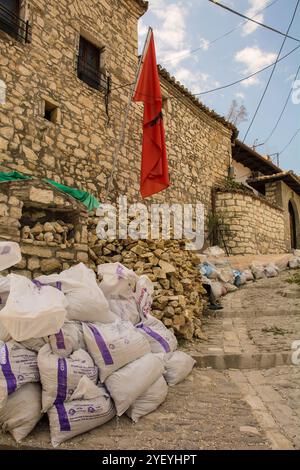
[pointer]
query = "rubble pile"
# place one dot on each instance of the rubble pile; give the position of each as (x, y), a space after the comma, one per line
(57, 232)
(178, 291)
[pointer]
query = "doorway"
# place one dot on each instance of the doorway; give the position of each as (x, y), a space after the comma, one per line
(293, 231)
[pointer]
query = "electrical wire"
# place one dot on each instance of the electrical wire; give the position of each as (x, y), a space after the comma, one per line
(227, 85)
(225, 7)
(272, 73)
(283, 110)
(210, 43)
(290, 142)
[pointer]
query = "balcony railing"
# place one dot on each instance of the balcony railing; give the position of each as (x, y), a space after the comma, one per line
(14, 26)
(93, 77)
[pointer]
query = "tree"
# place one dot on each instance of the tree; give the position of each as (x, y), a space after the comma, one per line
(237, 113)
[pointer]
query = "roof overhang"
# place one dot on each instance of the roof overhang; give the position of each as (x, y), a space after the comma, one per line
(288, 177)
(248, 157)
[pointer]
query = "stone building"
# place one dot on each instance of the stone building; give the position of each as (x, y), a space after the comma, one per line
(66, 69)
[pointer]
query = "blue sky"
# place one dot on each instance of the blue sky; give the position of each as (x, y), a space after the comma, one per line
(182, 26)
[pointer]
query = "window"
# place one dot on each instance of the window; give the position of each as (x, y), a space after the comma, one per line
(52, 112)
(88, 69)
(10, 21)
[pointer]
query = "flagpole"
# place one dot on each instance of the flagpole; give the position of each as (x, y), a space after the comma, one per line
(124, 125)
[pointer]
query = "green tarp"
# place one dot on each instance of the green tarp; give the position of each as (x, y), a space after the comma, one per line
(82, 196)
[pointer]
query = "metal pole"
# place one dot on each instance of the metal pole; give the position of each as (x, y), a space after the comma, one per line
(123, 128)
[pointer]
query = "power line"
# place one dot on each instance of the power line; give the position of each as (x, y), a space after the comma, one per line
(290, 142)
(282, 112)
(194, 51)
(272, 73)
(225, 7)
(229, 84)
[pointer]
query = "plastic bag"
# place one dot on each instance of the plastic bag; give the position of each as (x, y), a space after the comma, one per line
(248, 275)
(144, 296)
(86, 301)
(209, 270)
(149, 401)
(32, 311)
(22, 411)
(178, 367)
(10, 254)
(294, 263)
(117, 280)
(69, 339)
(258, 270)
(127, 384)
(89, 407)
(4, 293)
(271, 270)
(214, 251)
(113, 346)
(240, 279)
(226, 275)
(18, 366)
(60, 376)
(125, 309)
(161, 339)
(218, 290)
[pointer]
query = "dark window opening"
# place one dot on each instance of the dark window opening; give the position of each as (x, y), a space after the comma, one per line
(10, 21)
(51, 112)
(88, 69)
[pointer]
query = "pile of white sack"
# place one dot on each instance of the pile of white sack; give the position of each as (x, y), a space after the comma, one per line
(82, 351)
(223, 279)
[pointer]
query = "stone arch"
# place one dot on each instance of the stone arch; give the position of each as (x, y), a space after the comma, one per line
(294, 225)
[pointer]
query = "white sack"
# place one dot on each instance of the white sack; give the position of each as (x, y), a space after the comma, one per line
(161, 339)
(68, 339)
(230, 288)
(178, 367)
(113, 346)
(271, 270)
(214, 251)
(86, 301)
(35, 344)
(125, 309)
(18, 366)
(218, 289)
(60, 376)
(22, 411)
(258, 270)
(117, 280)
(248, 275)
(4, 290)
(144, 296)
(149, 401)
(89, 407)
(294, 263)
(10, 254)
(226, 275)
(130, 382)
(32, 311)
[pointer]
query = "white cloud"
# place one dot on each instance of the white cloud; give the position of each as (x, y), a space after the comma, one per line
(253, 59)
(171, 36)
(240, 95)
(196, 81)
(254, 7)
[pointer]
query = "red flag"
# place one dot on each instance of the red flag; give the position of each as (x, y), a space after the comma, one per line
(154, 174)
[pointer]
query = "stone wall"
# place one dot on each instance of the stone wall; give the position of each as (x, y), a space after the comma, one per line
(255, 225)
(282, 194)
(51, 228)
(78, 149)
